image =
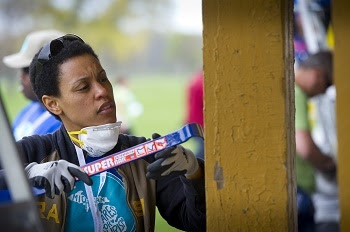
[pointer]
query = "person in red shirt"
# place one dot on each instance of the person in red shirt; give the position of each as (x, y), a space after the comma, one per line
(195, 107)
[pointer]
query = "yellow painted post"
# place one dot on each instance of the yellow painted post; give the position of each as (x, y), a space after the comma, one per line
(341, 21)
(249, 115)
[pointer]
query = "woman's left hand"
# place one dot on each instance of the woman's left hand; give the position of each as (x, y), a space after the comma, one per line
(177, 160)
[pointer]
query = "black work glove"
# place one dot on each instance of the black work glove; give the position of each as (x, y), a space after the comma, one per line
(175, 160)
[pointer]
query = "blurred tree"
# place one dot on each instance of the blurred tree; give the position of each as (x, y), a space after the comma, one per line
(128, 35)
(120, 27)
(189, 47)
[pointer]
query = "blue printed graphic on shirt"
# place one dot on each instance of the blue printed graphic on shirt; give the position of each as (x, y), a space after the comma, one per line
(111, 203)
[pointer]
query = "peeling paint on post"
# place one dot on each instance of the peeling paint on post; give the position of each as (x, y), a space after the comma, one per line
(219, 176)
(249, 115)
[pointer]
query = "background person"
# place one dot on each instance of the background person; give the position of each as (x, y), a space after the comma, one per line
(194, 107)
(33, 118)
(129, 108)
(312, 77)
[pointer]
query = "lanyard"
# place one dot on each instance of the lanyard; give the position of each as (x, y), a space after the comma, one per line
(96, 215)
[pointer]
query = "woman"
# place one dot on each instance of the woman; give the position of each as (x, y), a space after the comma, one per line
(69, 80)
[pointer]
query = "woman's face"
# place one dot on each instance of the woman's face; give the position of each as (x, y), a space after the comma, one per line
(86, 95)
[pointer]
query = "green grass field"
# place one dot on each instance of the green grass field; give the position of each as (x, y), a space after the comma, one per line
(163, 98)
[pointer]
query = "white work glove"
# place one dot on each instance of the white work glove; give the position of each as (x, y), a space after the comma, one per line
(55, 176)
(177, 160)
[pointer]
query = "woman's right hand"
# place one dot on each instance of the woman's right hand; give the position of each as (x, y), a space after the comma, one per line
(55, 176)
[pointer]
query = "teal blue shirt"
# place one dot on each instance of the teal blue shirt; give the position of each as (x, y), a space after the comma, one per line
(111, 203)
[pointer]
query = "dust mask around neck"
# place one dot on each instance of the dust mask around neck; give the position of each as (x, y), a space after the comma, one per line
(97, 140)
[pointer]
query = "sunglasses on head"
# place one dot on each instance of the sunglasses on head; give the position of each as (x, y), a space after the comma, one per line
(52, 49)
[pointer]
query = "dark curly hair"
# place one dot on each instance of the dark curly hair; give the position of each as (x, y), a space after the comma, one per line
(46, 80)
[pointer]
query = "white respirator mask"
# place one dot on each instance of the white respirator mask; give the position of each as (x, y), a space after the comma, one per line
(97, 140)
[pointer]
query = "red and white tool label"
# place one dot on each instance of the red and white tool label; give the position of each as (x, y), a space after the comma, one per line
(125, 156)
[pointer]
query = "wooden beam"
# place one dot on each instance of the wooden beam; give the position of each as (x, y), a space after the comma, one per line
(341, 19)
(249, 115)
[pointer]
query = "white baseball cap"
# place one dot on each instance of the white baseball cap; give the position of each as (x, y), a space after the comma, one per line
(31, 45)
